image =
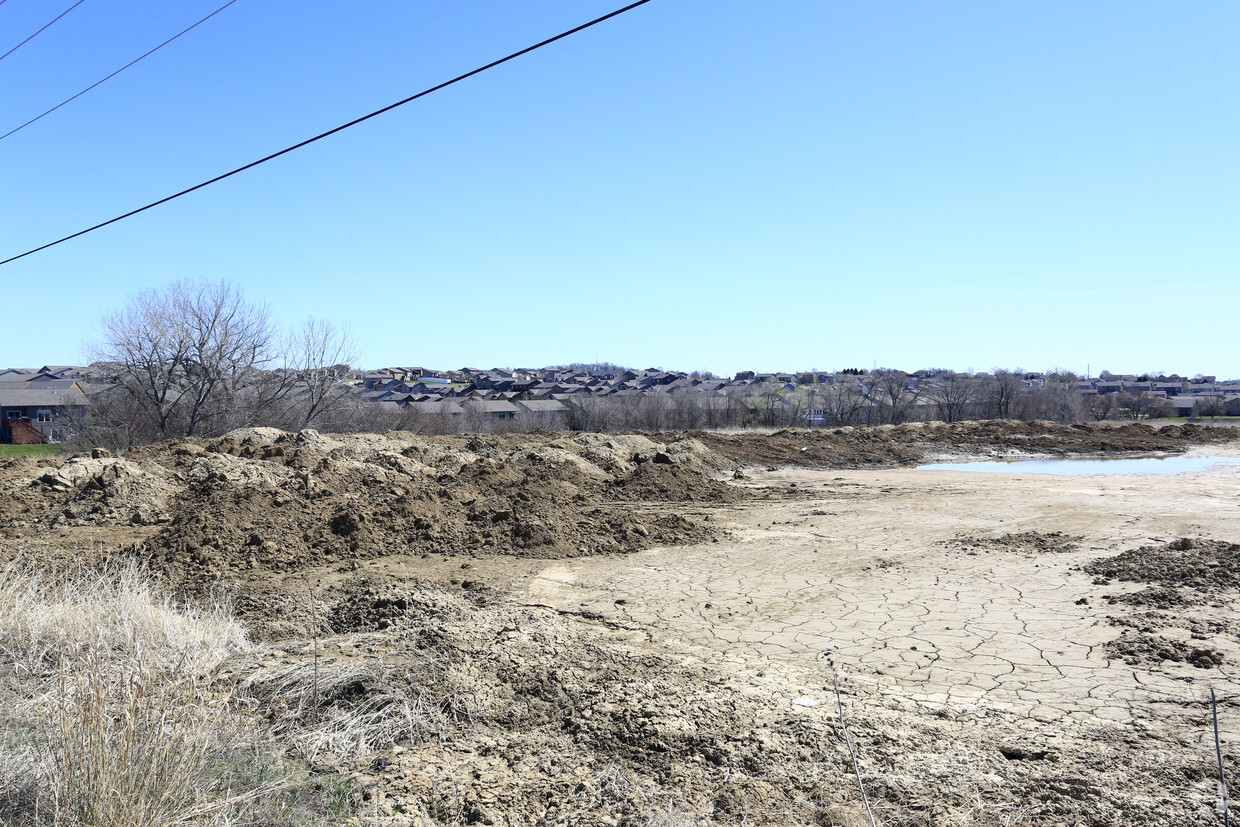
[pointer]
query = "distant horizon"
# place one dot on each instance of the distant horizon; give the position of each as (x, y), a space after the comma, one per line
(515, 366)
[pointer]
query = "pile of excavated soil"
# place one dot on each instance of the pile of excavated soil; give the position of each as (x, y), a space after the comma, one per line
(1135, 647)
(911, 444)
(1208, 565)
(1189, 575)
(260, 499)
(1023, 542)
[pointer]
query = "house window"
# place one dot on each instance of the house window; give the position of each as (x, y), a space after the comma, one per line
(13, 413)
(57, 435)
(43, 415)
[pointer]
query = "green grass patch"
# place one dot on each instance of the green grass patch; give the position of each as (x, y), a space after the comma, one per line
(7, 451)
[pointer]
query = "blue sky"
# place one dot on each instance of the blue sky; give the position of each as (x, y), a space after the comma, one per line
(717, 185)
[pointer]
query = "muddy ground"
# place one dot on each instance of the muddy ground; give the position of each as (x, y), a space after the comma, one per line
(597, 629)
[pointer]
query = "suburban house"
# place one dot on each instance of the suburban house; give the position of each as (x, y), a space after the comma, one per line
(545, 413)
(1184, 405)
(493, 409)
(40, 409)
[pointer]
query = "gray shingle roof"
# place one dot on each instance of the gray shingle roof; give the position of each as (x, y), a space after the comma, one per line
(27, 396)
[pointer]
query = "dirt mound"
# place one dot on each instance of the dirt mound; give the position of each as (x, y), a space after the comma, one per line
(258, 499)
(1025, 542)
(1134, 647)
(107, 490)
(673, 483)
(530, 506)
(1207, 565)
(912, 444)
(1154, 597)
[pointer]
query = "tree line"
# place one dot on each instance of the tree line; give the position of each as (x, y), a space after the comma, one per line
(197, 358)
(880, 397)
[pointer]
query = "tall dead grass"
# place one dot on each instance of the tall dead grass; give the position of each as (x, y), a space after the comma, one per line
(108, 714)
(346, 710)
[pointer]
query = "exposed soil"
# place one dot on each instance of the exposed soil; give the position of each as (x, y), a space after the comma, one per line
(261, 500)
(1025, 542)
(624, 630)
(915, 443)
(1135, 648)
(1190, 573)
(1195, 563)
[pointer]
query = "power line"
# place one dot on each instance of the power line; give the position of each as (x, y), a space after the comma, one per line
(40, 31)
(340, 128)
(118, 71)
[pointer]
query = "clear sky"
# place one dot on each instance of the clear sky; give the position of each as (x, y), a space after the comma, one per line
(720, 185)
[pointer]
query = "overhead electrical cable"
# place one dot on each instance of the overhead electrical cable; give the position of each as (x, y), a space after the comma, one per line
(118, 71)
(40, 31)
(340, 128)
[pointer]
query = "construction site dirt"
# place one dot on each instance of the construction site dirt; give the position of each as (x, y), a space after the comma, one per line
(672, 628)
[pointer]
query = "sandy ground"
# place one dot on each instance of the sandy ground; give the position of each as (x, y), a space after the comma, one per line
(885, 568)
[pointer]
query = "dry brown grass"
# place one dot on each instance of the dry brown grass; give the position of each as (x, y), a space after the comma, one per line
(311, 708)
(109, 714)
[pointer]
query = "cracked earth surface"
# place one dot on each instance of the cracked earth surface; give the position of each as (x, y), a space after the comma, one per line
(870, 564)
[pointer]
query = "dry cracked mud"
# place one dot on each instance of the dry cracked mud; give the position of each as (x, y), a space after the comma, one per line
(1009, 649)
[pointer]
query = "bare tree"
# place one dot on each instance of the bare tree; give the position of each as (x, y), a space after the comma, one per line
(953, 395)
(317, 357)
(843, 403)
(688, 409)
(1001, 393)
(590, 413)
(1211, 405)
(895, 394)
(185, 353)
(1142, 405)
(1101, 406)
(230, 340)
(734, 411)
(1058, 399)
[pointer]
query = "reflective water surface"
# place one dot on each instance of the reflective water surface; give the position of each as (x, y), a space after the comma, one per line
(1088, 465)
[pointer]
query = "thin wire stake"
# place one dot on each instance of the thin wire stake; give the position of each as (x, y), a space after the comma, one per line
(1218, 752)
(839, 701)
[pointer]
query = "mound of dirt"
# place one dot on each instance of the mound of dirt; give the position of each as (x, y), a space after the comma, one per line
(1025, 542)
(849, 447)
(1155, 597)
(1134, 647)
(1207, 565)
(258, 499)
(107, 490)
